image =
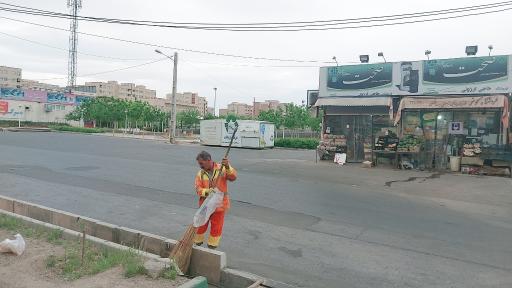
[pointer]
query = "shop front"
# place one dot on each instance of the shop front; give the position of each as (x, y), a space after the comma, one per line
(350, 125)
(451, 127)
(443, 108)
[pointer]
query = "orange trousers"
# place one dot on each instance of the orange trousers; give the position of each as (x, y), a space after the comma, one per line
(216, 223)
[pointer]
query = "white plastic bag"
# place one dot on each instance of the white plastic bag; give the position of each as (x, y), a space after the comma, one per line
(16, 246)
(212, 202)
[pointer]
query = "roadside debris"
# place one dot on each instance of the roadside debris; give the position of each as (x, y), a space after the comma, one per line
(16, 246)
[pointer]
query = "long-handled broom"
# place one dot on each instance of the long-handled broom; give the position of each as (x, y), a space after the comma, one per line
(182, 251)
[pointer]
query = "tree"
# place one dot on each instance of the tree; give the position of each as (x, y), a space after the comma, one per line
(188, 118)
(273, 116)
(109, 110)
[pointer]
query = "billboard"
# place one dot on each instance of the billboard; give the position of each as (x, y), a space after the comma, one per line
(4, 107)
(457, 76)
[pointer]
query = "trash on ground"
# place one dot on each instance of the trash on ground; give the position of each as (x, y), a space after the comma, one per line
(16, 246)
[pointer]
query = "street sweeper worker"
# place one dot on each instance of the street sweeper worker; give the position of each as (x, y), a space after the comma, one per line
(205, 181)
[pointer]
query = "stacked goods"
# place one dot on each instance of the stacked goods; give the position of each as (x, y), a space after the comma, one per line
(332, 142)
(386, 143)
(409, 143)
(471, 150)
(330, 145)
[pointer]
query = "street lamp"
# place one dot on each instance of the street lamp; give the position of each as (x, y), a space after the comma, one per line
(381, 54)
(427, 53)
(19, 117)
(490, 49)
(125, 121)
(471, 50)
(215, 102)
(172, 121)
(335, 60)
(364, 58)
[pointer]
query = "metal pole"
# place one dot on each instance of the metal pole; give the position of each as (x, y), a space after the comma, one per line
(215, 102)
(172, 136)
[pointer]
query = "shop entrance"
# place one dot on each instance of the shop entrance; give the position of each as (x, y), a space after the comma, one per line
(357, 131)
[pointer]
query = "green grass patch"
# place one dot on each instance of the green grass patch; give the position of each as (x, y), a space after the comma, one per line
(96, 260)
(70, 265)
(169, 273)
(301, 143)
(76, 129)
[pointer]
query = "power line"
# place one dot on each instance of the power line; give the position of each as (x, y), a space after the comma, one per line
(270, 26)
(154, 45)
(65, 49)
(108, 71)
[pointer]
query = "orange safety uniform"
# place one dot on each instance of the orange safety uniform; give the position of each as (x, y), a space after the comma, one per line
(203, 187)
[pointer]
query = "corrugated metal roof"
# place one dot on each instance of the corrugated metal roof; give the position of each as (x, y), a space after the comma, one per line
(353, 101)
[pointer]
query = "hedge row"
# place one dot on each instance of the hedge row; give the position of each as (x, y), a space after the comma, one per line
(302, 143)
(77, 129)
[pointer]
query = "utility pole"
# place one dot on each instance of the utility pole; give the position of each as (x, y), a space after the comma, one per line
(74, 6)
(172, 137)
(172, 117)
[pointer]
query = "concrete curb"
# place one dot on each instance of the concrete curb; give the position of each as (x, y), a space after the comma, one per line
(198, 282)
(73, 235)
(204, 262)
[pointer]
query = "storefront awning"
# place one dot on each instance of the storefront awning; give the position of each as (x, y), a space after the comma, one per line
(353, 101)
(455, 102)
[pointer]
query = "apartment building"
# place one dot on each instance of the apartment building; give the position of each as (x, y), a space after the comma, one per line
(240, 109)
(128, 91)
(38, 86)
(189, 100)
(10, 77)
(268, 105)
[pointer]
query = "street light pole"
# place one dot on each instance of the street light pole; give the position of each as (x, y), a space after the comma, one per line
(125, 121)
(215, 102)
(172, 120)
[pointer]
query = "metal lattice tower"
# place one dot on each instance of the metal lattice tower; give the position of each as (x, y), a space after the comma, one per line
(74, 6)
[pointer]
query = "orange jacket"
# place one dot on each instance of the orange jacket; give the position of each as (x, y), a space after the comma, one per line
(203, 183)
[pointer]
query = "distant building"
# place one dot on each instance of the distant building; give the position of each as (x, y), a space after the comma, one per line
(190, 101)
(239, 109)
(129, 91)
(10, 77)
(38, 86)
(211, 111)
(268, 105)
(223, 112)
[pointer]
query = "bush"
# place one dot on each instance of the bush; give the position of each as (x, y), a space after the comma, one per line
(302, 143)
(77, 129)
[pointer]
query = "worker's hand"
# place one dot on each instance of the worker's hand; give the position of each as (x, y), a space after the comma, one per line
(225, 163)
(207, 192)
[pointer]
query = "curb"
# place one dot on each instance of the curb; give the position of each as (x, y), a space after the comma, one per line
(198, 282)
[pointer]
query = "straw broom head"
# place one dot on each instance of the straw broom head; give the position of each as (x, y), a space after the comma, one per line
(180, 254)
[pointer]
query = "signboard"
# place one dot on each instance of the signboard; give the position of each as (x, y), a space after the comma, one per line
(456, 128)
(312, 96)
(12, 93)
(61, 98)
(457, 76)
(4, 107)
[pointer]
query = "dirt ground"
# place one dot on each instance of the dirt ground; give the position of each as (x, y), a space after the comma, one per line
(29, 270)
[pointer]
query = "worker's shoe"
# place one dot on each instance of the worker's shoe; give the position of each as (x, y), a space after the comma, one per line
(212, 247)
(199, 239)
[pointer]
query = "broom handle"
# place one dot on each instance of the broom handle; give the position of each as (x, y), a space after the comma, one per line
(226, 155)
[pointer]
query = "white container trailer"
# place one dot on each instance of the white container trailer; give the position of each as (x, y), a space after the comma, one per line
(250, 133)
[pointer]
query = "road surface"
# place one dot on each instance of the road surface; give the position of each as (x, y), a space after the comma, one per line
(306, 224)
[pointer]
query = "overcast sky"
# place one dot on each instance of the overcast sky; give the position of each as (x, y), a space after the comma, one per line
(235, 82)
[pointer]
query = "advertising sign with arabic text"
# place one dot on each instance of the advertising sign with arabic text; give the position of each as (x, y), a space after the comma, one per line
(456, 76)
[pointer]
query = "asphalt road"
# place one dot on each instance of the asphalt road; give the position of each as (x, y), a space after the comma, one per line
(307, 224)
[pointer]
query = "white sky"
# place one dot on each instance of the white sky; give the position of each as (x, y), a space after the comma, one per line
(235, 83)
